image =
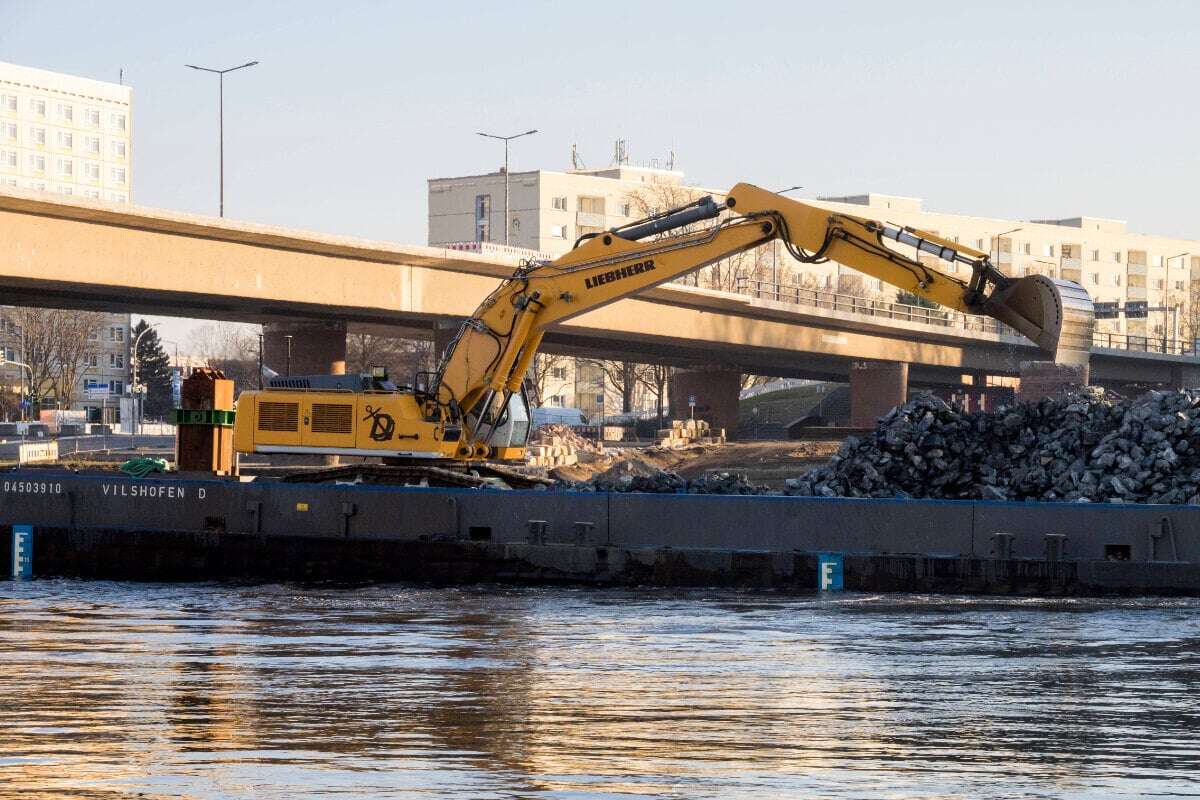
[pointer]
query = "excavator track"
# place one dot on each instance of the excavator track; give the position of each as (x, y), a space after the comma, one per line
(470, 476)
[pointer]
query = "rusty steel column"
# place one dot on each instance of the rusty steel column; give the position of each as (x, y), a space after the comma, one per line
(1041, 379)
(317, 348)
(876, 387)
(716, 390)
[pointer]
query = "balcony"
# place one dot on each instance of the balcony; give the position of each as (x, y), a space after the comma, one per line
(1135, 293)
(1135, 269)
(590, 220)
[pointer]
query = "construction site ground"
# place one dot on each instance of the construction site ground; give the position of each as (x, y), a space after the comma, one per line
(766, 463)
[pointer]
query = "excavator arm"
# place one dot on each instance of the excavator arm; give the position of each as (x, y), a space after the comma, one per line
(480, 376)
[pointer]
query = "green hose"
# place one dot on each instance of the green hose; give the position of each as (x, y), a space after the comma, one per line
(143, 466)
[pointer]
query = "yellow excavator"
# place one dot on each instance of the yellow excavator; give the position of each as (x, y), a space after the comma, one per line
(474, 408)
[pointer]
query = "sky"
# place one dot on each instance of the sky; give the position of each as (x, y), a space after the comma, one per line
(1018, 110)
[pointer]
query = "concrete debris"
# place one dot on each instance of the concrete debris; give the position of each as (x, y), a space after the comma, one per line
(557, 445)
(689, 432)
(1076, 447)
(637, 476)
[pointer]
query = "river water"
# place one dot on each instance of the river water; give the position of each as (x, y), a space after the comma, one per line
(114, 690)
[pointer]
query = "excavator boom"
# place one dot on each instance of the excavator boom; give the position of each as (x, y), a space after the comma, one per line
(475, 407)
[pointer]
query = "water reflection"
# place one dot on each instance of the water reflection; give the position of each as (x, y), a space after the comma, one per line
(216, 691)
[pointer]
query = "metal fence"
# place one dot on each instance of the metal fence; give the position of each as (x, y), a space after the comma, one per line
(904, 312)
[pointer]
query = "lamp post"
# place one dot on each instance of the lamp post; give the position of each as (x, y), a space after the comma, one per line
(999, 236)
(506, 140)
(29, 369)
(135, 388)
(220, 73)
(1167, 301)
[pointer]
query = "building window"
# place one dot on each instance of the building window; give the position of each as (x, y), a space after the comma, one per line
(91, 171)
(117, 121)
(8, 158)
(116, 334)
(118, 387)
(92, 117)
(64, 111)
(1159, 283)
(9, 182)
(117, 147)
(558, 373)
(1156, 261)
(1179, 286)
(118, 175)
(65, 139)
(1048, 250)
(1117, 279)
(37, 107)
(37, 135)
(91, 144)
(39, 185)
(1026, 248)
(37, 162)
(9, 102)
(1116, 256)
(559, 203)
(558, 231)
(591, 205)
(91, 194)
(9, 129)
(94, 336)
(66, 167)
(118, 197)
(116, 360)
(1094, 278)
(558, 400)
(1095, 255)
(66, 190)
(91, 360)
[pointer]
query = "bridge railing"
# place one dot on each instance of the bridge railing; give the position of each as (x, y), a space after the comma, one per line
(905, 312)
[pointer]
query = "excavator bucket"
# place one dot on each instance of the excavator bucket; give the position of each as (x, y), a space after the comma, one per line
(1057, 315)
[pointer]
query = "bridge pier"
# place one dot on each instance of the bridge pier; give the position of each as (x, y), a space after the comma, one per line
(876, 387)
(318, 348)
(1041, 379)
(716, 390)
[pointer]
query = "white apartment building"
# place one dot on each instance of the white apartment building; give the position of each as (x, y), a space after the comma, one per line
(550, 210)
(69, 136)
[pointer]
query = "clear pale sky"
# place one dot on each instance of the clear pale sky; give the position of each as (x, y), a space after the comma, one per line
(1021, 110)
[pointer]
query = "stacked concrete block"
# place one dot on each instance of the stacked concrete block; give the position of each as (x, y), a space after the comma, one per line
(689, 432)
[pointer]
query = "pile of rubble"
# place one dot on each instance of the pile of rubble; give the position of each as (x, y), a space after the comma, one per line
(1077, 447)
(637, 476)
(558, 445)
(689, 432)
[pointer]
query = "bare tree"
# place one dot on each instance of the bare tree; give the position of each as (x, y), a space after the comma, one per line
(656, 378)
(231, 348)
(75, 337)
(55, 343)
(624, 377)
(541, 372)
(728, 274)
(403, 357)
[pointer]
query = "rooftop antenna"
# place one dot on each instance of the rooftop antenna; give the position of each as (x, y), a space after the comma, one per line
(576, 161)
(121, 76)
(620, 154)
(671, 159)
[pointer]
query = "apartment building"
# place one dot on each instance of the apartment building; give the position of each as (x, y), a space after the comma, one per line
(69, 136)
(1120, 269)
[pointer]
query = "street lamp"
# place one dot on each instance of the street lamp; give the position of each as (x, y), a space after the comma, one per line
(6, 362)
(999, 236)
(220, 73)
(1167, 301)
(506, 140)
(135, 388)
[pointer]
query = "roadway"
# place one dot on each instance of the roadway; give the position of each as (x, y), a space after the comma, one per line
(80, 254)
